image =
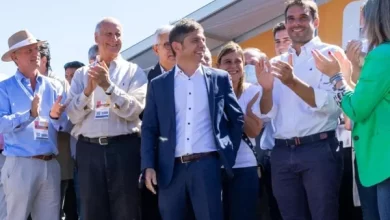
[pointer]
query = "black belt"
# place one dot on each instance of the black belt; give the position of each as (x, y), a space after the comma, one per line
(195, 157)
(305, 140)
(106, 140)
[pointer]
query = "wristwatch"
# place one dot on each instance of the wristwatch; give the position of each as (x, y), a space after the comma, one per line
(110, 89)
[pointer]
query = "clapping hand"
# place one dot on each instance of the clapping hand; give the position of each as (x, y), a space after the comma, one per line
(35, 106)
(284, 71)
(57, 109)
(263, 75)
(337, 62)
(353, 52)
(99, 73)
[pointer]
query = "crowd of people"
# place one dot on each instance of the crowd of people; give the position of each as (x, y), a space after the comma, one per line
(183, 140)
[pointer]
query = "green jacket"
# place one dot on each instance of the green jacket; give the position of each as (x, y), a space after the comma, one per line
(369, 108)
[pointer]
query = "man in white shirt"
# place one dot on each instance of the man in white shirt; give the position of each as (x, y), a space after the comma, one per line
(306, 161)
(192, 125)
(106, 99)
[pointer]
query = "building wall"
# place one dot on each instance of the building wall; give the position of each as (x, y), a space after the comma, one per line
(330, 30)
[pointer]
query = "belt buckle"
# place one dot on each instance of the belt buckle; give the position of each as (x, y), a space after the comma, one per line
(103, 141)
(182, 161)
(297, 141)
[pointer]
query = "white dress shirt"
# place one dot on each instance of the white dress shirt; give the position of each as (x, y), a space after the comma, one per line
(127, 101)
(194, 133)
(163, 71)
(245, 156)
(292, 116)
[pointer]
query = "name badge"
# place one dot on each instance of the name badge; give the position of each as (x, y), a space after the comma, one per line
(41, 129)
(102, 110)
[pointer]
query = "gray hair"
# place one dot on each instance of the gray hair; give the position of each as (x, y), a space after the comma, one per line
(376, 22)
(166, 29)
(107, 20)
(257, 51)
(93, 52)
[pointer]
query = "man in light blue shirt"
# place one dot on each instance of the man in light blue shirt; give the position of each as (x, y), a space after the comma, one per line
(30, 116)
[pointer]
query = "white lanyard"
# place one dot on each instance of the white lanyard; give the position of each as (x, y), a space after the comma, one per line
(25, 90)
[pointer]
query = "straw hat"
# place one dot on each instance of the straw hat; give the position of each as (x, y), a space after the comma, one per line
(18, 40)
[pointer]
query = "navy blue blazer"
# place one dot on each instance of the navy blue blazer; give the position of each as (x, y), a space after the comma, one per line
(158, 132)
(153, 72)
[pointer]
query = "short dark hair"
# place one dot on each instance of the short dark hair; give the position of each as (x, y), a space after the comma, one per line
(307, 4)
(73, 64)
(279, 27)
(44, 51)
(181, 29)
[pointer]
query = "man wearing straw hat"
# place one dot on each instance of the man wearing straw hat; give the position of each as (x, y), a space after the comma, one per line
(30, 116)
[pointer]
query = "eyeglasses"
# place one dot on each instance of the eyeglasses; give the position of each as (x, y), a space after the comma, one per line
(166, 45)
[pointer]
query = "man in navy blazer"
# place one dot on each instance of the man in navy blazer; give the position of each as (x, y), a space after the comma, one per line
(192, 125)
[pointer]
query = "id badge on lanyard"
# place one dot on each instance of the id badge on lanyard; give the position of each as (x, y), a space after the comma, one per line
(41, 129)
(102, 109)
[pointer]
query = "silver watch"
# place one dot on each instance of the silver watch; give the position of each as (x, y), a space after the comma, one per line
(109, 89)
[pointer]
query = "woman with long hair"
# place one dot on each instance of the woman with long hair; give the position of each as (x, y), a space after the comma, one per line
(241, 192)
(368, 104)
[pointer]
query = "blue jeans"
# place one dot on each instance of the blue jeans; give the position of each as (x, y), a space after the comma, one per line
(383, 193)
(368, 199)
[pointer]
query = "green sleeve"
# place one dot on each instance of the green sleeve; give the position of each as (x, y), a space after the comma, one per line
(373, 85)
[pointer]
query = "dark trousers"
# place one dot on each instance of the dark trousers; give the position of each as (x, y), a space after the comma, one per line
(108, 179)
(240, 194)
(347, 208)
(149, 205)
(195, 185)
(77, 191)
(266, 181)
(68, 201)
(306, 179)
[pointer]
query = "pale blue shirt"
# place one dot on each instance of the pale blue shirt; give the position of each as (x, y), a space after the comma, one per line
(267, 141)
(16, 125)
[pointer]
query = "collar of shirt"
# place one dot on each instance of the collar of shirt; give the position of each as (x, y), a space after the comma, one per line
(21, 78)
(163, 71)
(49, 74)
(117, 61)
(308, 47)
(180, 72)
(26, 83)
